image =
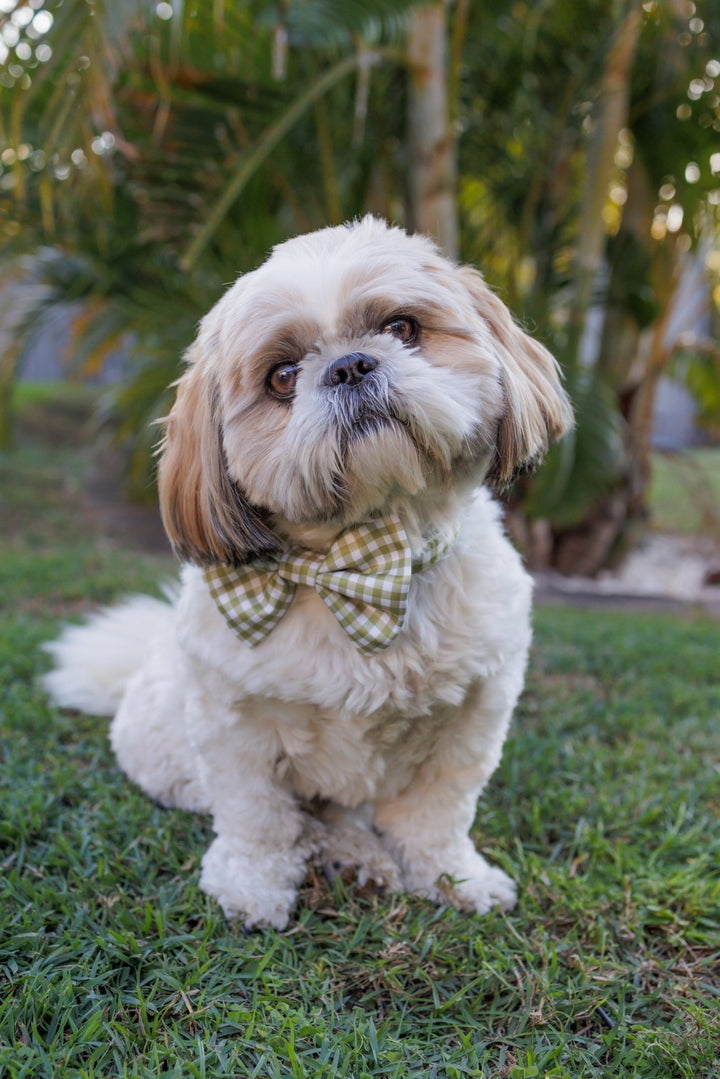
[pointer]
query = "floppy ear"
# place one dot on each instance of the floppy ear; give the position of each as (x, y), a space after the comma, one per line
(206, 516)
(537, 410)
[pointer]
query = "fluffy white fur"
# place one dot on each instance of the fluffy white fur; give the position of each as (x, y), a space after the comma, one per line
(302, 744)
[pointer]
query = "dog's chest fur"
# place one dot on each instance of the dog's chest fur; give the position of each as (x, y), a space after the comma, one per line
(343, 722)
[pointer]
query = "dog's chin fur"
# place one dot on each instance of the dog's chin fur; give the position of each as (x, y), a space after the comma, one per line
(302, 745)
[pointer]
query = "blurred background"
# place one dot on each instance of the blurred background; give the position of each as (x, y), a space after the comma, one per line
(150, 152)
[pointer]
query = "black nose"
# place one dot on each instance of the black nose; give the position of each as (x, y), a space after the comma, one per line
(349, 370)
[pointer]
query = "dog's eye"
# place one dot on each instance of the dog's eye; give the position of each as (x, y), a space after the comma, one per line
(282, 379)
(403, 327)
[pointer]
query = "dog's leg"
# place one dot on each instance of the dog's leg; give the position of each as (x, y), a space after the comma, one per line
(258, 858)
(149, 737)
(426, 825)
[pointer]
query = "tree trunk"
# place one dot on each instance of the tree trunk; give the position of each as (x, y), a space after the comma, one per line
(610, 118)
(432, 147)
(587, 547)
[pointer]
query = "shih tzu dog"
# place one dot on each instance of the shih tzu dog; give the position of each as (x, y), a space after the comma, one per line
(336, 674)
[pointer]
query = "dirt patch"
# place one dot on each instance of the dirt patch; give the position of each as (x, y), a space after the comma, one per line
(67, 479)
(664, 573)
(131, 523)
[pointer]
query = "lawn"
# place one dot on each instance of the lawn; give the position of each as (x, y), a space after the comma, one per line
(605, 809)
(685, 492)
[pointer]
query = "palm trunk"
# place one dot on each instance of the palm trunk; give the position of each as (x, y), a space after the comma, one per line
(431, 141)
(611, 118)
(587, 547)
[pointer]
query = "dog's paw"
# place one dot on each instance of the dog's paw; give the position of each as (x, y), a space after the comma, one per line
(256, 888)
(356, 854)
(480, 893)
(471, 884)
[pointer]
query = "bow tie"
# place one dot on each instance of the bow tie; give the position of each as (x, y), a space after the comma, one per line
(364, 579)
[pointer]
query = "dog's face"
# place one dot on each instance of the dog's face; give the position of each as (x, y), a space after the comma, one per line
(355, 366)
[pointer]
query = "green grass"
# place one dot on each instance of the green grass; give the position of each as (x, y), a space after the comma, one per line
(685, 492)
(605, 809)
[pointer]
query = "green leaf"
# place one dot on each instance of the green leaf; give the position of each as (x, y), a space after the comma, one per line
(581, 468)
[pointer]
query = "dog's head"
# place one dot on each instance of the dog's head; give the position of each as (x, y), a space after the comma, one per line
(355, 366)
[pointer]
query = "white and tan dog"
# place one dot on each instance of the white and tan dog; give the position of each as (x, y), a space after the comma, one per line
(357, 379)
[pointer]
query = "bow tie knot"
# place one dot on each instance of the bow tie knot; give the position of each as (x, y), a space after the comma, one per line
(300, 569)
(364, 579)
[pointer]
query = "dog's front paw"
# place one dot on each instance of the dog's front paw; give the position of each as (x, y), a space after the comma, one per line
(460, 877)
(257, 888)
(480, 892)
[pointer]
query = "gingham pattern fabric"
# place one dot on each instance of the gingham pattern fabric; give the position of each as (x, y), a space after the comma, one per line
(364, 579)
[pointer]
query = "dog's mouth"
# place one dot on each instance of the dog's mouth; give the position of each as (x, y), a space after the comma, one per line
(369, 422)
(365, 410)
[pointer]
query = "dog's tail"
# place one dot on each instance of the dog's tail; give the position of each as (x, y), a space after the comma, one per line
(94, 661)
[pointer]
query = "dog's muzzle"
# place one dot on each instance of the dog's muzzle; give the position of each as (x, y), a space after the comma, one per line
(360, 396)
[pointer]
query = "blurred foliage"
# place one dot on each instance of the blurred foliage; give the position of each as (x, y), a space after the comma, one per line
(152, 151)
(132, 132)
(699, 369)
(585, 464)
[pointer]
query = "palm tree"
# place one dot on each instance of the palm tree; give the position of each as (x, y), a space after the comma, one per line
(649, 140)
(567, 150)
(158, 153)
(154, 153)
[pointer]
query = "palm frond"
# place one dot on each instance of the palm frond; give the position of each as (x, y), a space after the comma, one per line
(587, 463)
(250, 163)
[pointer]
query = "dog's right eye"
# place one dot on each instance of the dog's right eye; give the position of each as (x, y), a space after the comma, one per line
(282, 380)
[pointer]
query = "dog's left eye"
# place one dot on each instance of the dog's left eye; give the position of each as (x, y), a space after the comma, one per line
(403, 327)
(282, 380)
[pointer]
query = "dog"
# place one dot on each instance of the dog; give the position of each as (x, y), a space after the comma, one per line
(336, 674)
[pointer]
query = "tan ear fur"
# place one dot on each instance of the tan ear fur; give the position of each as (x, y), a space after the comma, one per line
(206, 516)
(537, 409)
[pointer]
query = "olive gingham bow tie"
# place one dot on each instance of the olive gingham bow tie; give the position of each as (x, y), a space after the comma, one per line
(364, 579)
